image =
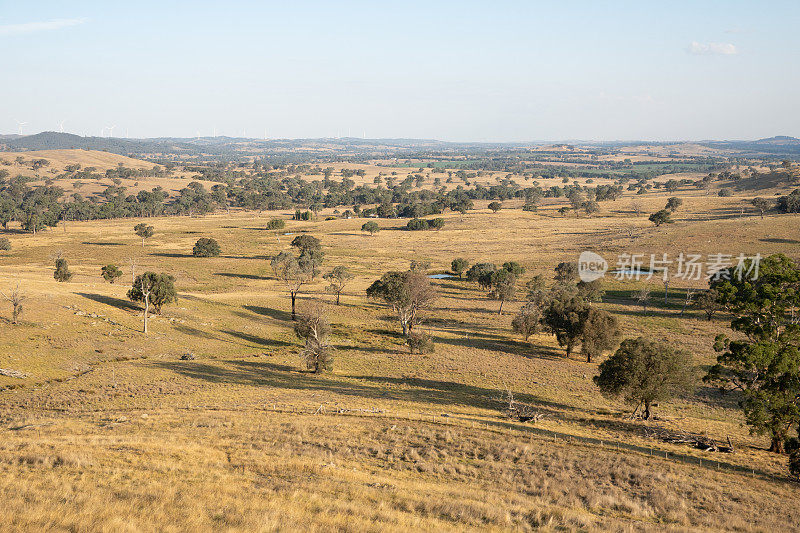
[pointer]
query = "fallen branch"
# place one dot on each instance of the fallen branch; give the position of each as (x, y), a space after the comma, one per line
(13, 373)
(701, 442)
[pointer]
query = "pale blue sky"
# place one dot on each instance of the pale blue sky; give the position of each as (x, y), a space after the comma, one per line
(450, 70)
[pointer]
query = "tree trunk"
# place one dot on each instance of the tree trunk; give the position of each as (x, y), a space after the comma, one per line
(146, 310)
(646, 414)
(777, 444)
(294, 297)
(500, 311)
(406, 329)
(142, 242)
(338, 294)
(588, 357)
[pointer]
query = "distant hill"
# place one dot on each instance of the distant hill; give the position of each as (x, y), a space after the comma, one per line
(778, 146)
(227, 147)
(58, 159)
(333, 149)
(50, 140)
(780, 140)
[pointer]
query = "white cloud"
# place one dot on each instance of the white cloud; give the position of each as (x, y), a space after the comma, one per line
(724, 49)
(32, 27)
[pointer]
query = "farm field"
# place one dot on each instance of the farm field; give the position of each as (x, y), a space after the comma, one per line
(212, 422)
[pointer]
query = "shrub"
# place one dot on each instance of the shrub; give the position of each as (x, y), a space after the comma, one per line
(458, 266)
(436, 223)
(528, 320)
(661, 217)
(206, 247)
(62, 272)
(417, 224)
(480, 271)
(495, 206)
(794, 463)
(5, 244)
(725, 193)
(420, 342)
(276, 223)
(110, 273)
(673, 204)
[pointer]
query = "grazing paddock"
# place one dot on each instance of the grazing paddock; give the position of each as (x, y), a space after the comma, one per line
(107, 423)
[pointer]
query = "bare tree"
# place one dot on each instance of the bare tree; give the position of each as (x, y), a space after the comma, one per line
(15, 298)
(687, 301)
(132, 261)
(643, 297)
(313, 327)
(631, 232)
(637, 208)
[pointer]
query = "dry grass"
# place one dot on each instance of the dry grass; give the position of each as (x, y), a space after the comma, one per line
(213, 453)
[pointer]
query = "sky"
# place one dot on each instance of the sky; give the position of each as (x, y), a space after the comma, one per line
(449, 70)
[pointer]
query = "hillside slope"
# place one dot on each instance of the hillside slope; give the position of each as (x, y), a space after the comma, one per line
(59, 159)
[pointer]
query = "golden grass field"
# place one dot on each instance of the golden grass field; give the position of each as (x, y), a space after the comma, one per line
(112, 431)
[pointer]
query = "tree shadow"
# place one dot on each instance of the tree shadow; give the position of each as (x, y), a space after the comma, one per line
(385, 332)
(170, 254)
(104, 243)
(255, 339)
(261, 374)
(119, 303)
(714, 397)
(276, 314)
(777, 240)
(479, 310)
(235, 275)
(496, 343)
(195, 332)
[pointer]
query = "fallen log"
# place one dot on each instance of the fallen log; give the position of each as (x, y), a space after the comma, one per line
(701, 442)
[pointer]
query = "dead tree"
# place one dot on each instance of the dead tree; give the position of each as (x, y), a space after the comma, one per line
(687, 300)
(519, 410)
(15, 298)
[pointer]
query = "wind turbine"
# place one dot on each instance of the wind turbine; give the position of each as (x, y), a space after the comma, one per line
(20, 124)
(111, 130)
(61, 126)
